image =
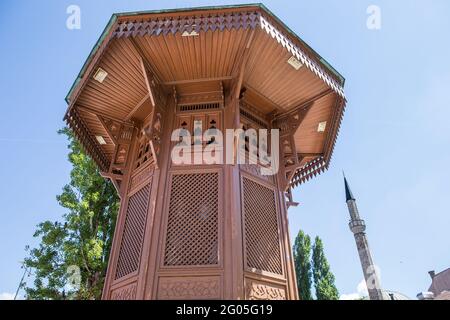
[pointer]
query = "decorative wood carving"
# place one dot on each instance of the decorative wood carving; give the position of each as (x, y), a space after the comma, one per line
(250, 119)
(211, 95)
(200, 107)
(153, 131)
(144, 153)
(255, 170)
(333, 132)
(309, 170)
(209, 120)
(288, 124)
(125, 293)
(112, 128)
(91, 146)
(252, 114)
(189, 288)
(203, 98)
(121, 134)
(141, 177)
(154, 126)
(289, 199)
(188, 24)
(256, 290)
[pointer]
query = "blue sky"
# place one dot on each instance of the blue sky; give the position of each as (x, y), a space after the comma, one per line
(393, 143)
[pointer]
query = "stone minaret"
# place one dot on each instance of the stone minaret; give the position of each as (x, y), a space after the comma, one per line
(358, 227)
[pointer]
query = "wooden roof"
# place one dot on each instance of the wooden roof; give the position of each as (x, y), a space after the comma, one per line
(210, 59)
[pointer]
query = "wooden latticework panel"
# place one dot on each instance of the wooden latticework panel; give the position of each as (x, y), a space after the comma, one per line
(133, 233)
(192, 228)
(201, 106)
(262, 241)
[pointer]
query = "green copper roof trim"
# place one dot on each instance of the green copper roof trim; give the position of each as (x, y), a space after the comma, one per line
(114, 17)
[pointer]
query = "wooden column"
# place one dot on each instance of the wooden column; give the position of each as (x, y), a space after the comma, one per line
(233, 275)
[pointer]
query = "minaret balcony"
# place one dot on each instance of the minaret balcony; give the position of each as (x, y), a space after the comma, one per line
(357, 226)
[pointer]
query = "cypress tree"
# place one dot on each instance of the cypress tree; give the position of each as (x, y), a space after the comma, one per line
(322, 275)
(302, 260)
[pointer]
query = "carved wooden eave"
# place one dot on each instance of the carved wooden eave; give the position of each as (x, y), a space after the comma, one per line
(321, 162)
(81, 132)
(288, 125)
(297, 169)
(128, 30)
(252, 19)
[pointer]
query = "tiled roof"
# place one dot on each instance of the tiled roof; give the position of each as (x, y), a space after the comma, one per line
(441, 282)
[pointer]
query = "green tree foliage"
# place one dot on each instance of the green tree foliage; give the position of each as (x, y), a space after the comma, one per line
(322, 275)
(302, 259)
(81, 241)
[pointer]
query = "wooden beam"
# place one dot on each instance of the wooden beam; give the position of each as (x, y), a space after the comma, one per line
(200, 80)
(152, 80)
(149, 81)
(259, 94)
(290, 200)
(243, 63)
(111, 175)
(136, 108)
(115, 179)
(305, 103)
(312, 155)
(110, 135)
(99, 113)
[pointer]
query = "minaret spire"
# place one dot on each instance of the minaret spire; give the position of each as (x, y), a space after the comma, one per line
(348, 192)
(358, 227)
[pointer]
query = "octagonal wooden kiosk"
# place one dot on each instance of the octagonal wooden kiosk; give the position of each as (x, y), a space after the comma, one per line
(203, 231)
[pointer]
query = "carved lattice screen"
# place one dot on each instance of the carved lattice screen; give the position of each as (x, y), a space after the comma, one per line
(144, 153)
(262, 241)
(193, 221)
(133, 233)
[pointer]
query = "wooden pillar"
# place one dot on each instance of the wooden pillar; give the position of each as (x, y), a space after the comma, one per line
(233, 273)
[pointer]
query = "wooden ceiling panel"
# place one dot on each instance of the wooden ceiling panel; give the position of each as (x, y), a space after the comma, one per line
(123, 88)
(206, 56)
(268, 71)
(96, 129)
(259, 101)
(307, 138)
